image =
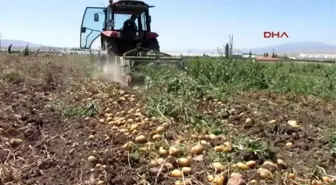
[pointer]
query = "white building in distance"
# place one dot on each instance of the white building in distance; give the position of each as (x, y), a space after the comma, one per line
(303, 56)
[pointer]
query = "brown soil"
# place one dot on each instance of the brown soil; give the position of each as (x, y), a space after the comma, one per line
(41, 146)
(310, 141)
(45, 140)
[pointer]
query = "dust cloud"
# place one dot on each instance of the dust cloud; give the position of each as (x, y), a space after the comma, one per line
(111, 73)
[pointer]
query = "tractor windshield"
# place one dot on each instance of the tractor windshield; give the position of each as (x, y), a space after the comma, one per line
(119, 20)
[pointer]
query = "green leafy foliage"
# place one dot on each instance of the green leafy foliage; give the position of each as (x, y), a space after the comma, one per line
(175, 93)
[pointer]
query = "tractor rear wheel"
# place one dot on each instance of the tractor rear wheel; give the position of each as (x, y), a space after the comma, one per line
(154, 45)
(112, 65)
(107, 55)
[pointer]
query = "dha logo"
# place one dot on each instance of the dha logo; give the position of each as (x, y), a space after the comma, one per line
(279, 35)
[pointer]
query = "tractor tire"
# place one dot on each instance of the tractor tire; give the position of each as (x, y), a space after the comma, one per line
(110, 48)
(154, 45)
(111, 58)
(103, 57)
(101, 60)
(106, 56)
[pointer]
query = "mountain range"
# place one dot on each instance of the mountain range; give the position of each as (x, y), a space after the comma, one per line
(19, 44)
(297, 47)
(288, 48)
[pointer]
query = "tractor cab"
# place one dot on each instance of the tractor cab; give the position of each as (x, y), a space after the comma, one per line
(126, 22)
(121, 11)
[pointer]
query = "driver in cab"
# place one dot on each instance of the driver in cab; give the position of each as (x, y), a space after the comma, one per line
(130, 23)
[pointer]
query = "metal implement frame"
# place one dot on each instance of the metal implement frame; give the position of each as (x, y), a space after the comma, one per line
(125, 63)
(146, 55)
(151, 56)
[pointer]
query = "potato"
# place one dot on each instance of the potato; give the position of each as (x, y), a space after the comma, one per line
(186, 170)
(219, 148)
(264, 173)
(281, 163)
(183, 161)
(327, 180)
(92, 158)
(269, 165)
(213, 137)
(293, 123)
(128, 146)
(91, 137)
(248, 120)
(163, 152)
(156, 136)
(108, 119)
(227, 147)
(169, 166)
(242, 166)
(218, 166)
(317, 182)
(174, 151)
(15, 141)
(176, 173)
(253, 181)
(291, 176)
(251, 164)
(210, 178)
(289, 144)
(183, 182)
(140, 139)
(218, 180)
(160, 161)
(153, 163)
(198, 149)
(160, 129)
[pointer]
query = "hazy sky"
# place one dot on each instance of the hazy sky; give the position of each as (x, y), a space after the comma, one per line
(181, 24)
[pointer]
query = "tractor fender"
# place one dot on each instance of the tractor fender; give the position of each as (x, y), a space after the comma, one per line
(110, 33)
(152, 35)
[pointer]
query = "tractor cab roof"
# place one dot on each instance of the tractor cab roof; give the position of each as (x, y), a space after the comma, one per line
(129, 6)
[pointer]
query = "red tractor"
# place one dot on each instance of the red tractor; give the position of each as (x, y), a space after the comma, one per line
(125, 34)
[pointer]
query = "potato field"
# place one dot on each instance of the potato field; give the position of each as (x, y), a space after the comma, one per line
(217, 123)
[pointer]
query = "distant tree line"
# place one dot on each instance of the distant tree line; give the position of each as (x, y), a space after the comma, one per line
(274, 55)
